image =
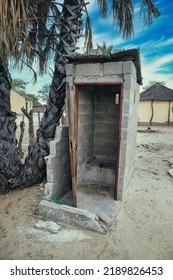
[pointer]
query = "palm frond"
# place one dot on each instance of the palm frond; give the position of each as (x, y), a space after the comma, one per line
(149, 11)
(88, 34)
(103, 5)
(29, 30)
(123, 13)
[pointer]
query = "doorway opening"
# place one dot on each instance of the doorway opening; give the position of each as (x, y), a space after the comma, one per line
(98, 115)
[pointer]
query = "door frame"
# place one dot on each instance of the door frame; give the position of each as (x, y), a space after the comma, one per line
(73, 130)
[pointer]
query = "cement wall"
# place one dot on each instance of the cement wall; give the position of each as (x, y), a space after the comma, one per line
(17, 102)
(129, 126)
(162, 112)
(85, 129)
(106, 123)
(58, 165)
(112, 72)
(98, 118)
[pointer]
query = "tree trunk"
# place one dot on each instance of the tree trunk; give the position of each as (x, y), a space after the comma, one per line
(152, 112)
(31, 125)
(22, 129)
(9, 155)
(34, 169)
(39, 118)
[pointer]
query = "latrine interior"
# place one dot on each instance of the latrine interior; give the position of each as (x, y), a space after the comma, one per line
(98, 127)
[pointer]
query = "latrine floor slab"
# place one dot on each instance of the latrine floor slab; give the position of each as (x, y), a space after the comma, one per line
(95, 198)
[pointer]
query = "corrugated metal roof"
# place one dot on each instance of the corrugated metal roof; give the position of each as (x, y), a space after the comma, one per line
(123, 55)
(157, 92)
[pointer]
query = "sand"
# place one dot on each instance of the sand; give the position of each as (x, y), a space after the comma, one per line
(143, 228)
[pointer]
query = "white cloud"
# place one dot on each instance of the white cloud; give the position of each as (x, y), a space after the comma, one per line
(149, 70)
(91, 6)
(164, 43)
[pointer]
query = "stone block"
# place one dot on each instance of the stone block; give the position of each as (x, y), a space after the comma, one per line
(105, 118)
(102, 135)
(86, 97)
(85, 128)
(113, 68)
(99, 79)
(71, 215)
(81, 172)
(49, 188)
(59, 188)
(62, 188)
(129, 68)
(70, 69)
(90, 69)
(127, 84)
(125, 120)
(106, 128)
(85, 118)
(57, 147)
(105, 154)
(105, 98)
(108, 211)
(121, 187)
(170, 172)
(126, 106)
(47, 226)
(53, 162)
(61, 132)
(100, 175)
(120, 195)
(105, 147)
(54, 174)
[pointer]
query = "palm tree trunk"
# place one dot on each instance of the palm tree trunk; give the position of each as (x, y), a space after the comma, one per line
(9, 155)
(34, 169)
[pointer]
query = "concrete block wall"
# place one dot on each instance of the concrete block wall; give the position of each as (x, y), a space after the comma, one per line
(98, 118)
(106, 123)
(114, 72)
(85, 129)
(110, 72)
(129, 126)
(58, 165)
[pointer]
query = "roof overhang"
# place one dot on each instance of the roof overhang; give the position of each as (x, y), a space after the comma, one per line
(124, 55)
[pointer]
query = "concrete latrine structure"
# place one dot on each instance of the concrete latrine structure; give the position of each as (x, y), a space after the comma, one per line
(102, 94)
(102, 103)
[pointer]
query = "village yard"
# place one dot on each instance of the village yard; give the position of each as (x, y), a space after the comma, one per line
(143, 229)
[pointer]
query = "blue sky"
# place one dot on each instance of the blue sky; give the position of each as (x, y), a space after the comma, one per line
(155, 43)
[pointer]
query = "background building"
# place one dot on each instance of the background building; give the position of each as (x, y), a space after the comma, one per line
(156, 106)
(19, 100)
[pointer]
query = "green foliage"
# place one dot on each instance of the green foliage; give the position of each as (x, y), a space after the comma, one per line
(31, 28)
(19, 85)
(151, 83)
(105, 50)
(44, 93)
(33, 97)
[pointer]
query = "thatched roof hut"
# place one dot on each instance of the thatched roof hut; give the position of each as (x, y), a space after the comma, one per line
(156, 106)
(157, 92)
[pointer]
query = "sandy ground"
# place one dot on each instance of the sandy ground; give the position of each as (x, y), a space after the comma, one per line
(143, 228)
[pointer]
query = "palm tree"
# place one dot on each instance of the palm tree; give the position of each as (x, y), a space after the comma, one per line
(105, 50)
(9, 155)
(61, 37)
(36, 29)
